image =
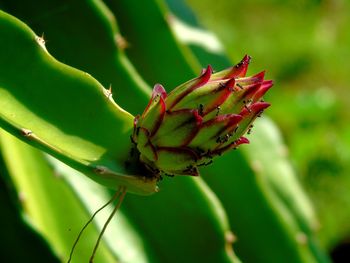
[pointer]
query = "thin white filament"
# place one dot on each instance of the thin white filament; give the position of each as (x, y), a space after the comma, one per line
(122, 191)
(115, 196)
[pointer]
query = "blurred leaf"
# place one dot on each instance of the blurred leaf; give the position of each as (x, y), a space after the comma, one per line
(151, 44)
(16, 232)
(40, 190)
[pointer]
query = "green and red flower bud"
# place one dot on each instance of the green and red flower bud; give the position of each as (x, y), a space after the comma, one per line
(199, 119)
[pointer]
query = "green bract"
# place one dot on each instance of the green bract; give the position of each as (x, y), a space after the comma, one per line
(199, 119)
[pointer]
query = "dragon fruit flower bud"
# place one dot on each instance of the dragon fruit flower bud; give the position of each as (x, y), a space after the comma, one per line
(198, 120)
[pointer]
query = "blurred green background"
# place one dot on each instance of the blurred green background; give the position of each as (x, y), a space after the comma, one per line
(305, 47)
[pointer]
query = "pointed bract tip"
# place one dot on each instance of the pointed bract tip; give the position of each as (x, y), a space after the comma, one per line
(207, 73)
(260, 76)
(241, 140)
(251, 90)
(265, 86)
(203, 78)
(254, 109)
(259, 106)
(246, 59)
(235, 144)
(159, 89)
(240, 69)
(206, 70)
(209, 69)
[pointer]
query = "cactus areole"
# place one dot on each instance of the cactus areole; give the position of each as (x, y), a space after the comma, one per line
(198, 120)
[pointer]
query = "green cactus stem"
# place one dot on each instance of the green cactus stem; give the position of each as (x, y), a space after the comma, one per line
(42, 104)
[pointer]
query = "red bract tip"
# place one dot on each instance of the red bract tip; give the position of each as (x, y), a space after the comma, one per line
(254, 109)
(259, 106)
(246, 59)
(235, 144)
(265, 86)
(204, 77)
(239, 70)
(250, 90)
(268, 83)
(200, 81)
(241, 140)
(159, 89)
(260, 76)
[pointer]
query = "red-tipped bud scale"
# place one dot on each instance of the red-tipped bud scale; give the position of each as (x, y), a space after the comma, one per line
(199, 119)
